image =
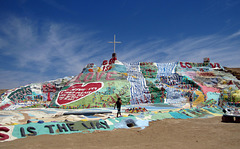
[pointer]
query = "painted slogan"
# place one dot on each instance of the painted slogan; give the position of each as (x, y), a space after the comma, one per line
(77, 92)
(9, 133)
(20, 94)
(95, 76)
(191, 65)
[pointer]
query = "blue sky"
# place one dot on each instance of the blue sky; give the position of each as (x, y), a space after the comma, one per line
(43, 40)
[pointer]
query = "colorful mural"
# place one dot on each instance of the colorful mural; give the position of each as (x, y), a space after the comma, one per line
(149, 91)
(53, 122)
(135, 83)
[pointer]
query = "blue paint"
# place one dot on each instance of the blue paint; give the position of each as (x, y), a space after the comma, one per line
(91, 116)
(213, 95)
(48, 112)
(177, 115)
(33, 119)
(5, 115)
(118, 68)
(31, 115)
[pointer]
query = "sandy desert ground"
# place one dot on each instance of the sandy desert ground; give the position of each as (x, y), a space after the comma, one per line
(204, 133)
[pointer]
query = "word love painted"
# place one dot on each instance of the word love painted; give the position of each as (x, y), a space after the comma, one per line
(92, 76)
(191, 65)
(77, 92)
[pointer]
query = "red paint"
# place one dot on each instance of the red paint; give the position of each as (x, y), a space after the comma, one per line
(107, 66)
(78, 78)
(206, 89)
(109, 75)
(188, 65)
(49, 98)
(209, 74)
(182, 65)
(99, 77)
(90, 76)
(90, 65)
(86, 77)
(2, 135)
(48, 88)
(105, 62)
(5, 106)
(112, 60)
(77, 92)
(215, 65)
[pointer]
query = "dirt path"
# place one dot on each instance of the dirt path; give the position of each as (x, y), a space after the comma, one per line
(26, 117)
(208, 133)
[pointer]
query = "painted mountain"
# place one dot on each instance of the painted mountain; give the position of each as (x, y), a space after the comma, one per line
(135, 83)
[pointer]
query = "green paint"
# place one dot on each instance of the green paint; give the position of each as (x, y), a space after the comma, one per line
(161, 116)
(54, 128)
(20, 94)
(148, 69)
(105, 97)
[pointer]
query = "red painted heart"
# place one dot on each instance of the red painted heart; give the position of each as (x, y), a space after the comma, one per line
(77, 92)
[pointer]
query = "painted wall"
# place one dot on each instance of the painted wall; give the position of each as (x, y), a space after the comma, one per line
(135, 83)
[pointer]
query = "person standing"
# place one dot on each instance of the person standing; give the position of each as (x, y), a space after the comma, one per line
(118, 104)
(191, 99)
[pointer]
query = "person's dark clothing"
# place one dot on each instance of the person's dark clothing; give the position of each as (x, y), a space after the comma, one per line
(118, 103)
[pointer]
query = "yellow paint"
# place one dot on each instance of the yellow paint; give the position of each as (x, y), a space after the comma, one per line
(84, 120)
(200, 98)
(99, 69)
(236, 96)
(225, 97)
(125, 74)
(215, 114)
(134, 77)
(224, 82)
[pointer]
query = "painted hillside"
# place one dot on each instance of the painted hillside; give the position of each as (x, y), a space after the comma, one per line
(136, 83)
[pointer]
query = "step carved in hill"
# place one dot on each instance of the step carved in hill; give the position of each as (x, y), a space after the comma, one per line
(139, 90)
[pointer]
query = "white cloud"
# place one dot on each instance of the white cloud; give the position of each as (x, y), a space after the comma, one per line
(53, 50)
(62, 49)
(58, 46)
(222, 49)
(237, 34)
(11, 79)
